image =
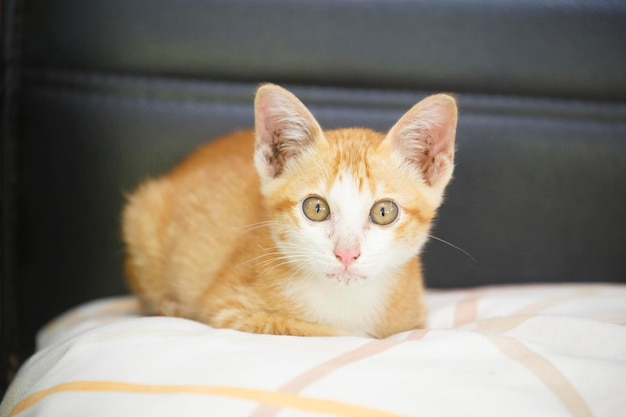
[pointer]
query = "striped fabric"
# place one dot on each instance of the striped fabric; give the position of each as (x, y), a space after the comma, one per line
(551, 350)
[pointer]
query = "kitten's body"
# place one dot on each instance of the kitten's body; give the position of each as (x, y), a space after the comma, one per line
(219, 241)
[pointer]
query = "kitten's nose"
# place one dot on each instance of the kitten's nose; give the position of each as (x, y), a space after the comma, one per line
(347, 255)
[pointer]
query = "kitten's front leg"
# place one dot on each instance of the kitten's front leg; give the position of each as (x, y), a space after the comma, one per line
(269, 323)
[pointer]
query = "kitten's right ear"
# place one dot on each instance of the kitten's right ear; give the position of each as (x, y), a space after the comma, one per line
(284, 128)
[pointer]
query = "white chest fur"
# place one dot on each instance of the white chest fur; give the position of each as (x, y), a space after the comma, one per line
(354, 308)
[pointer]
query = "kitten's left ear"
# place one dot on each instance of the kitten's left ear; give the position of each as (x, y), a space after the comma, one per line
(425, 137)
(284, 128)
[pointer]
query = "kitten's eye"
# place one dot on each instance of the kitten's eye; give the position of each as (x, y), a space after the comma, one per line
(384, 212)
(316, 208)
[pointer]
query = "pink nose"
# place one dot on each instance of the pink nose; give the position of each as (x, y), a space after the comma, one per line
(347, 255)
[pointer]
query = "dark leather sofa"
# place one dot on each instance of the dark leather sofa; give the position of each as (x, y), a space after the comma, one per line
(100, 94)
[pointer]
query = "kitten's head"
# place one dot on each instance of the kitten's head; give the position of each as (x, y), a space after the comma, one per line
(351, 204)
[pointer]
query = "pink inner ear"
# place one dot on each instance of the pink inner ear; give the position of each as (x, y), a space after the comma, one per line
(436, 157)
(284, 127)
(425, 135)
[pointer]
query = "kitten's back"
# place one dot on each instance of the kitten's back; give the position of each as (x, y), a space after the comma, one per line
(213, 195)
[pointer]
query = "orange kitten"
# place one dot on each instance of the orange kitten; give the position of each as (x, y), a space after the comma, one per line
(294, 230)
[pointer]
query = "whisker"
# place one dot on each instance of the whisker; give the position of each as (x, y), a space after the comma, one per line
(268, 262)
(275, 256)
(453, 246)
(265, 255)
(253, 226)
(300, 265)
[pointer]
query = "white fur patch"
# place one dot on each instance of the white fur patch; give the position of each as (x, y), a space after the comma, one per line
(354, 308)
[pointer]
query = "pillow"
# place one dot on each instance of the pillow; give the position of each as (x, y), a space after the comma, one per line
(557, 350)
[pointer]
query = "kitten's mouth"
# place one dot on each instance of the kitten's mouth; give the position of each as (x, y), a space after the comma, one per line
(346, 277)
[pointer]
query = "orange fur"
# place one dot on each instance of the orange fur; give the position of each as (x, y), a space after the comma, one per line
(222, 237)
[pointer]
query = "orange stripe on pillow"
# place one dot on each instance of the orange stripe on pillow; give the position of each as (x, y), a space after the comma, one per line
(320, 371)
(278, 399)
(505, 324)
(546, 372)
(466, 310)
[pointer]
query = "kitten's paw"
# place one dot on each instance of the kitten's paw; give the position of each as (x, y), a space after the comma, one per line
(171, 308)
(270, 323)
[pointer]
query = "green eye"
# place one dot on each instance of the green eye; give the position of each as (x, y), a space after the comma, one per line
(384, 212)
(316, 208)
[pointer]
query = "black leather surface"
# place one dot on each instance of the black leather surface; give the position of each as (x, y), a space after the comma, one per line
(115, 91)
(568, 48)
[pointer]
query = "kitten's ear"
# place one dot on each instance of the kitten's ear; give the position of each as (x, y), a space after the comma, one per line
(284, 128)
(425, 137)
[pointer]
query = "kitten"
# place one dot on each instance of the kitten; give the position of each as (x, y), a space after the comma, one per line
(294, 230)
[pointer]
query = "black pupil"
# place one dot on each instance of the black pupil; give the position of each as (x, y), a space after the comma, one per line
(318, 208)
(382, 211)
